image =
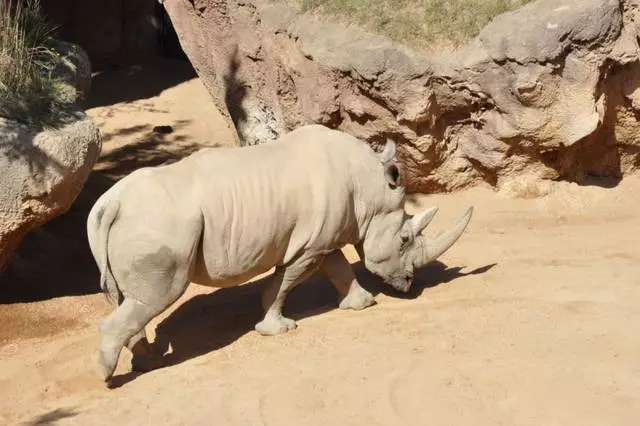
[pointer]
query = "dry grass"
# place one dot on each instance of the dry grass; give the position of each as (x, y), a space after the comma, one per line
(29, 91)
(425, 24)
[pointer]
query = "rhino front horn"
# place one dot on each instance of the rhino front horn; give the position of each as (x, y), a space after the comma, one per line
(428, 250)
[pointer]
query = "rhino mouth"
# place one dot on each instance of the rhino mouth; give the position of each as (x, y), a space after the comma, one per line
(402, 284)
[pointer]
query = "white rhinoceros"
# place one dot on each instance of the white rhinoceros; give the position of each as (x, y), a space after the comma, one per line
(224, 215)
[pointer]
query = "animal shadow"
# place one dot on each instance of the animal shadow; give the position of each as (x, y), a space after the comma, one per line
(212, 321)
(52, 417)
(434, 274)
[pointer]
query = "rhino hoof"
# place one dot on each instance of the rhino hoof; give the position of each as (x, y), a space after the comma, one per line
(358, 300)
(271, 326)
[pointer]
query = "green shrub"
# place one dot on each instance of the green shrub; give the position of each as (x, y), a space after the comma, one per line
(427, 24)
(29, 91)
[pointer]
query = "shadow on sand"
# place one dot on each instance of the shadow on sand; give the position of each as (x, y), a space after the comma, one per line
(138, 82)
(212, 321)
(51, 417)
(54, 260)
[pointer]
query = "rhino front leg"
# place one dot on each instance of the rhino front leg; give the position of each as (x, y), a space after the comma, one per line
(284, 280)
(338, 270)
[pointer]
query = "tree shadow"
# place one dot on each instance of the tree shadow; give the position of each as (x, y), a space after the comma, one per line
(22, 148)
(136, 82)
(235, 91)
(54, 260)
(153, 151)
(212, 321)
(52, 417)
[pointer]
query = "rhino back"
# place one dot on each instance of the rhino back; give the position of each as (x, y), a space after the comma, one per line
(264, 205)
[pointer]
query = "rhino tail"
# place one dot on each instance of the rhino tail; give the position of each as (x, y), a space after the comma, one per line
(108, 283)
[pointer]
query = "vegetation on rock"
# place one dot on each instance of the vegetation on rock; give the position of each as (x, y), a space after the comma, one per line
(31, 92)
(424, 24)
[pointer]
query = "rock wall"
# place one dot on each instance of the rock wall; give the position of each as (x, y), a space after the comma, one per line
(546, 92)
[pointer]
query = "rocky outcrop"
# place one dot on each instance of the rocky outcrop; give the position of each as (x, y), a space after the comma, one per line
(546, 92)
(43, 170)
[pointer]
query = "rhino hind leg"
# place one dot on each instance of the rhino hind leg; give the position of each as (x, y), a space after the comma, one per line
(118, 328)
(152, 274)
(338, 271)
(283, 281)
(153, 283)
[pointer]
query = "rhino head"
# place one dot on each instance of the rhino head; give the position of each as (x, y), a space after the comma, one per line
(394, 246)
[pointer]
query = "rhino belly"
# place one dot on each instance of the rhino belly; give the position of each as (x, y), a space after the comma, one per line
(218, 265)
(203, 277)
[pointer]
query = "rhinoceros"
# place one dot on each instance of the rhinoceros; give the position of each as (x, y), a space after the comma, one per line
(224, 215)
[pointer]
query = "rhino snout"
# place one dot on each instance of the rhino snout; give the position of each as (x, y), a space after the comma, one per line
(402, 284)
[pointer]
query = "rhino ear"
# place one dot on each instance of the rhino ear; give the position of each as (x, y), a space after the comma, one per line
(392, 174)
(387, 158)
(422, 219)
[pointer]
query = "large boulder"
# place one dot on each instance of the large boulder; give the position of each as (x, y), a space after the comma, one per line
(43, 170)
(546, 92)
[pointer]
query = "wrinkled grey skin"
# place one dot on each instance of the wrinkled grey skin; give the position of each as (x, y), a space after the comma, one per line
(224, 215)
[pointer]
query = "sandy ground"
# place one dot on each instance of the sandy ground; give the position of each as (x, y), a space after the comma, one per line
(531, 319)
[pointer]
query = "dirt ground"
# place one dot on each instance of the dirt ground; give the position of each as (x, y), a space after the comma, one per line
(532, 318)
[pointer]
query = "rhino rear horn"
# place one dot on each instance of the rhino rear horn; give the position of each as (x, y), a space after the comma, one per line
(420, 220)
